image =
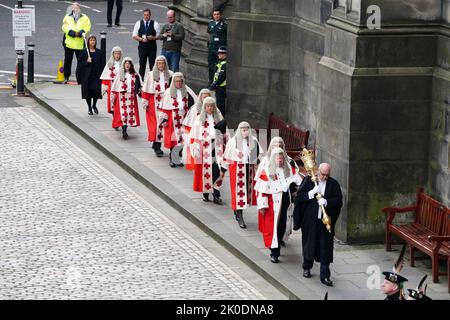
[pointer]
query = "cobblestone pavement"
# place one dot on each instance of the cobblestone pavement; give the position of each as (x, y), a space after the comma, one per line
(71, 230)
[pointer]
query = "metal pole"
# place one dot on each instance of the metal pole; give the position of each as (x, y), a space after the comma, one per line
(20, 87)
(19, 4)
(30, 78)
(103, 43)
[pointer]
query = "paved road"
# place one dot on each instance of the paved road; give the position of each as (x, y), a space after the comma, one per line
(70, 229)
(48, 36)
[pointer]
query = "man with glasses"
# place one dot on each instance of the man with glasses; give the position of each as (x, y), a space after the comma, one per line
(317, 241)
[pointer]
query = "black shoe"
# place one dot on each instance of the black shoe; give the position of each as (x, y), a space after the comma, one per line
(307, 273)
(217, 200)
(240, 219)
(109, 25)
(65, 81)
(180, 164)
(274, 259)
(118, 24)
(206, 197)
(171, 164)
(327, 282)
(125, 136)
(95, 109)
(90, 111)
(159, 152)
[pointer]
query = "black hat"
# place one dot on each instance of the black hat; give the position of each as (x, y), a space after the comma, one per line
(394, 277)
(420, 293)
(221, 126)
(222, 50)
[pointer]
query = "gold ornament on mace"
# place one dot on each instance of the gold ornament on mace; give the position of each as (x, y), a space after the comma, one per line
(309, 163)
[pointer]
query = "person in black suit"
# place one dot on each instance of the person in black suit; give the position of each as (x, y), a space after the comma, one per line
(119, 5)
(317, 241)
(91, 67)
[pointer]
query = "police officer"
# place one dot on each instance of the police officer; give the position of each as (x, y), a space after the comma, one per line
(217, 28)
(219, 83)
(74, 25)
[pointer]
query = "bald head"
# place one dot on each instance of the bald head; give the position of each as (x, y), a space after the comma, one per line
(171, 16)
(324, 171)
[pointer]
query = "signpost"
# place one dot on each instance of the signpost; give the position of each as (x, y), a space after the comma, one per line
(23, 23)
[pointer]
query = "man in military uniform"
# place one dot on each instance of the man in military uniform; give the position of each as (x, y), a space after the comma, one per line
(393, 286)
(217, 28)
(219, 84)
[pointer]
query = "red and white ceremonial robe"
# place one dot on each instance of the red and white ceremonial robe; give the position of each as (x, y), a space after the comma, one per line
(107, 78)
(173, 111)
(153, 91)
(243, 194)
(188, 122)
(125, 102)
(201, 147)
(270, 194)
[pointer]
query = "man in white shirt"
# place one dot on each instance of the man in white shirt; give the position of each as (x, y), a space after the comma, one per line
(317, 241)
(146, 32)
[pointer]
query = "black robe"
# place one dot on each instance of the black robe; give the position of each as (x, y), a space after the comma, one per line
(316, 240)
(91, 85)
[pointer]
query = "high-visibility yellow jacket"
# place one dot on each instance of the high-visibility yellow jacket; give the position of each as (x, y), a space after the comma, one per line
(69, 27)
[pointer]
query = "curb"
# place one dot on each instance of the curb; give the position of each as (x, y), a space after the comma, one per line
(168, 197)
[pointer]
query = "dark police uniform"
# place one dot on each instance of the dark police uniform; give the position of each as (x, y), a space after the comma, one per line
(218, 32)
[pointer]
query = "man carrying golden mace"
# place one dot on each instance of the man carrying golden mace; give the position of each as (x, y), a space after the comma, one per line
(317, 208)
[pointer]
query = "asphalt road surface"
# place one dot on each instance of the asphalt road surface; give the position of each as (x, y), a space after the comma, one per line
(48, 35)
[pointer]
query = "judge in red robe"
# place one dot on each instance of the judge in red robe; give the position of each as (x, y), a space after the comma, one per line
(207, 146)
(276, 184)
(109, 73)
(240, 159)
(188, 123)
(126, 88)
(155, 84)
(176, 102)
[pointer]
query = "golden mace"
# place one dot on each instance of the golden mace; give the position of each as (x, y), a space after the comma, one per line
(310, 167)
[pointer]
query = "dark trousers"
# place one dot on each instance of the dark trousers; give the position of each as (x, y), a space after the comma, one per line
(281, 228)
(221, 95)
(216, 174)
(212, 61)
(110, 10)
(156, 146)
(146, 53)
(68, 57)
(325, 272)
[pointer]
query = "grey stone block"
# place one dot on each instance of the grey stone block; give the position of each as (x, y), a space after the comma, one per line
(264, 55)
(271, 32)
(273, 7)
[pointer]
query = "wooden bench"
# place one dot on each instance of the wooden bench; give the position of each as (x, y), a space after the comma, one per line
(429, 233)
(294, 138)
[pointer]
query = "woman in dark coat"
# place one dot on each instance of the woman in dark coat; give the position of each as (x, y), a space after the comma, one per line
(91, 67)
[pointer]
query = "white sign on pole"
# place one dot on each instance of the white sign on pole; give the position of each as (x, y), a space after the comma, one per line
(22, 22)
(33, 17)
(19, 43)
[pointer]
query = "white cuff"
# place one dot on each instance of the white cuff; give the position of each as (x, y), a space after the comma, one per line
(310, 194)
(262, 202)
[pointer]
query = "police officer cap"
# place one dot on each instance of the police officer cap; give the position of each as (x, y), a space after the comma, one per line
(222, 50)
(394, 277)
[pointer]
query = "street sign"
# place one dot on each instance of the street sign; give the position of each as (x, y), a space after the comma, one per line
(33, 16)
(19, 43)
(22, 22)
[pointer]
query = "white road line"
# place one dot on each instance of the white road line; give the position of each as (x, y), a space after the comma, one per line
(84, 6)
(156, 5)
(36, 74)
(6, 7)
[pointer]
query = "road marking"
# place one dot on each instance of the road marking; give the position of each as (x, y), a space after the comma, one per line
(25, 73)
(156, 5)
(84, 6)
(6, 7)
